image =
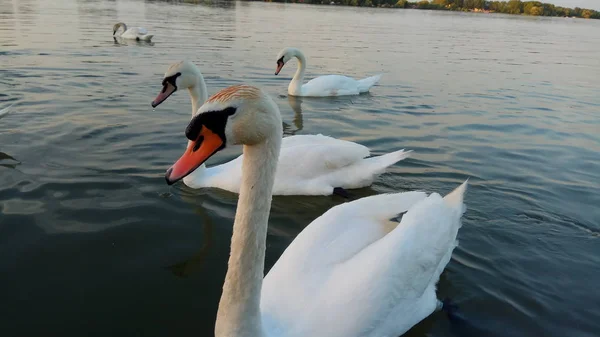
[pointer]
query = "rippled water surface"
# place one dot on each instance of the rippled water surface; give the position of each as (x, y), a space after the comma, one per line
(94, 243)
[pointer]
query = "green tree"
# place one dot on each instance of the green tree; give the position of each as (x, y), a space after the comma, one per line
(514, 7)
(535, 10)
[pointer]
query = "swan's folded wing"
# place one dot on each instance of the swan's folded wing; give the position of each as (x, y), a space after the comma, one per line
(342, 232)
(315, 155)
(316, 273)
(421, 246)
(140, 30)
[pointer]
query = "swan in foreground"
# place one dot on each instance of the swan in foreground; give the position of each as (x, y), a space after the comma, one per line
(308, 164)
(133, 33)
(352, 272)
(328, 85)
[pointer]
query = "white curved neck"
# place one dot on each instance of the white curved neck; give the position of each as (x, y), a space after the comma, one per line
(239, 308)
(198, 94)
(296, 83)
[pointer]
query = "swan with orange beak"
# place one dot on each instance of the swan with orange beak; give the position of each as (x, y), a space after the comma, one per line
(307, 164)
(218, 123)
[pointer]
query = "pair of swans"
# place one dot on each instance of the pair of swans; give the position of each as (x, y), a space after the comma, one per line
(322, 86)
(307, 165)
(133, 33)
(352, 272)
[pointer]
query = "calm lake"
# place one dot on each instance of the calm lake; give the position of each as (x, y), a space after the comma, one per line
(94, 243)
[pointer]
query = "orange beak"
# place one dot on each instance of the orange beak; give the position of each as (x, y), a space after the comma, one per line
(167, 90)
(207, 144)
(280, 65)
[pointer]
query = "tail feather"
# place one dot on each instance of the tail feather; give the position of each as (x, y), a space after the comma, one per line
(457, 195)
(147, 37)
(366, 83)
(378, 164)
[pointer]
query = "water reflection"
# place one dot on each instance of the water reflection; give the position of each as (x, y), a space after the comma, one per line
(193, 263)
(87, 8)
(209, 3)
(12, 161)
(296, 105)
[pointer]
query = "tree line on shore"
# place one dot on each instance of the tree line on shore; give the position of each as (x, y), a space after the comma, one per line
(535, 8)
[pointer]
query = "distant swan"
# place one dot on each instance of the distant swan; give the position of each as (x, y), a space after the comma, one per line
(133, 33)
(308, 164)
(352, 272)
(328, 85)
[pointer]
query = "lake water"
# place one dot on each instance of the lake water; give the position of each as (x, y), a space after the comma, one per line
(94, 243)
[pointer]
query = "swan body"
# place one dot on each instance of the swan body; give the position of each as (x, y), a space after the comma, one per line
(352, 272)
(308, 164)
(133, 33)
(322, 86)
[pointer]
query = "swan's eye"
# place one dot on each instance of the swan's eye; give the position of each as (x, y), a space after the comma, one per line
(280, 61)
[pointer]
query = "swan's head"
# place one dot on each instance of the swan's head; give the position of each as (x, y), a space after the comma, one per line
(117, 26)
(180, 75)
(238, 115)
(284, 56)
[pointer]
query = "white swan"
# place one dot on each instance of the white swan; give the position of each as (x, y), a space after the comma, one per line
(133, 33)
(350, 273)
(308, 164)
(328, 85)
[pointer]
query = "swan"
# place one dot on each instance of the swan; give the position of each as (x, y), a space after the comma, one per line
(328, 85)
(352, 272)
(133, 33)
(308, 164)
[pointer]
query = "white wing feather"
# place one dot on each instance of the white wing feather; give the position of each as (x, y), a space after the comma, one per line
(349, 266)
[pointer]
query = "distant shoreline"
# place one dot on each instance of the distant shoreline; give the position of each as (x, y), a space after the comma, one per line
(515, 7)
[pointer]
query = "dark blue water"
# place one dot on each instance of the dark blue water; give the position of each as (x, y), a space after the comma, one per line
(94, 243)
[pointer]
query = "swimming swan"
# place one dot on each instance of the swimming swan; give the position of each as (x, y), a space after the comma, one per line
(308, 164)
(133, 33)
(328, 85)
(350, 273)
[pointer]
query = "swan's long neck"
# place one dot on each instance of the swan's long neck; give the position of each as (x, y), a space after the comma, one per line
(296, 83)
(198, 94)
(239, 308)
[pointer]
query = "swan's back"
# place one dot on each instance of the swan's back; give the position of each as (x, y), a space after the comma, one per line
(353, 265)
(331, 85)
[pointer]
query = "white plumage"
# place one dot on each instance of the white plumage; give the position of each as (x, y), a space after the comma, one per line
(322, 86)
(308, 164)
(133, 33)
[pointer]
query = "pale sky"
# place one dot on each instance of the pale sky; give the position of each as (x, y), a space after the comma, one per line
(591, 4)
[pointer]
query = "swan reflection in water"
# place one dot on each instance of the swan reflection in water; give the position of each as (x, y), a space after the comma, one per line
(188, 266)
(296, 104)
(124, 42)
(8, 161)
